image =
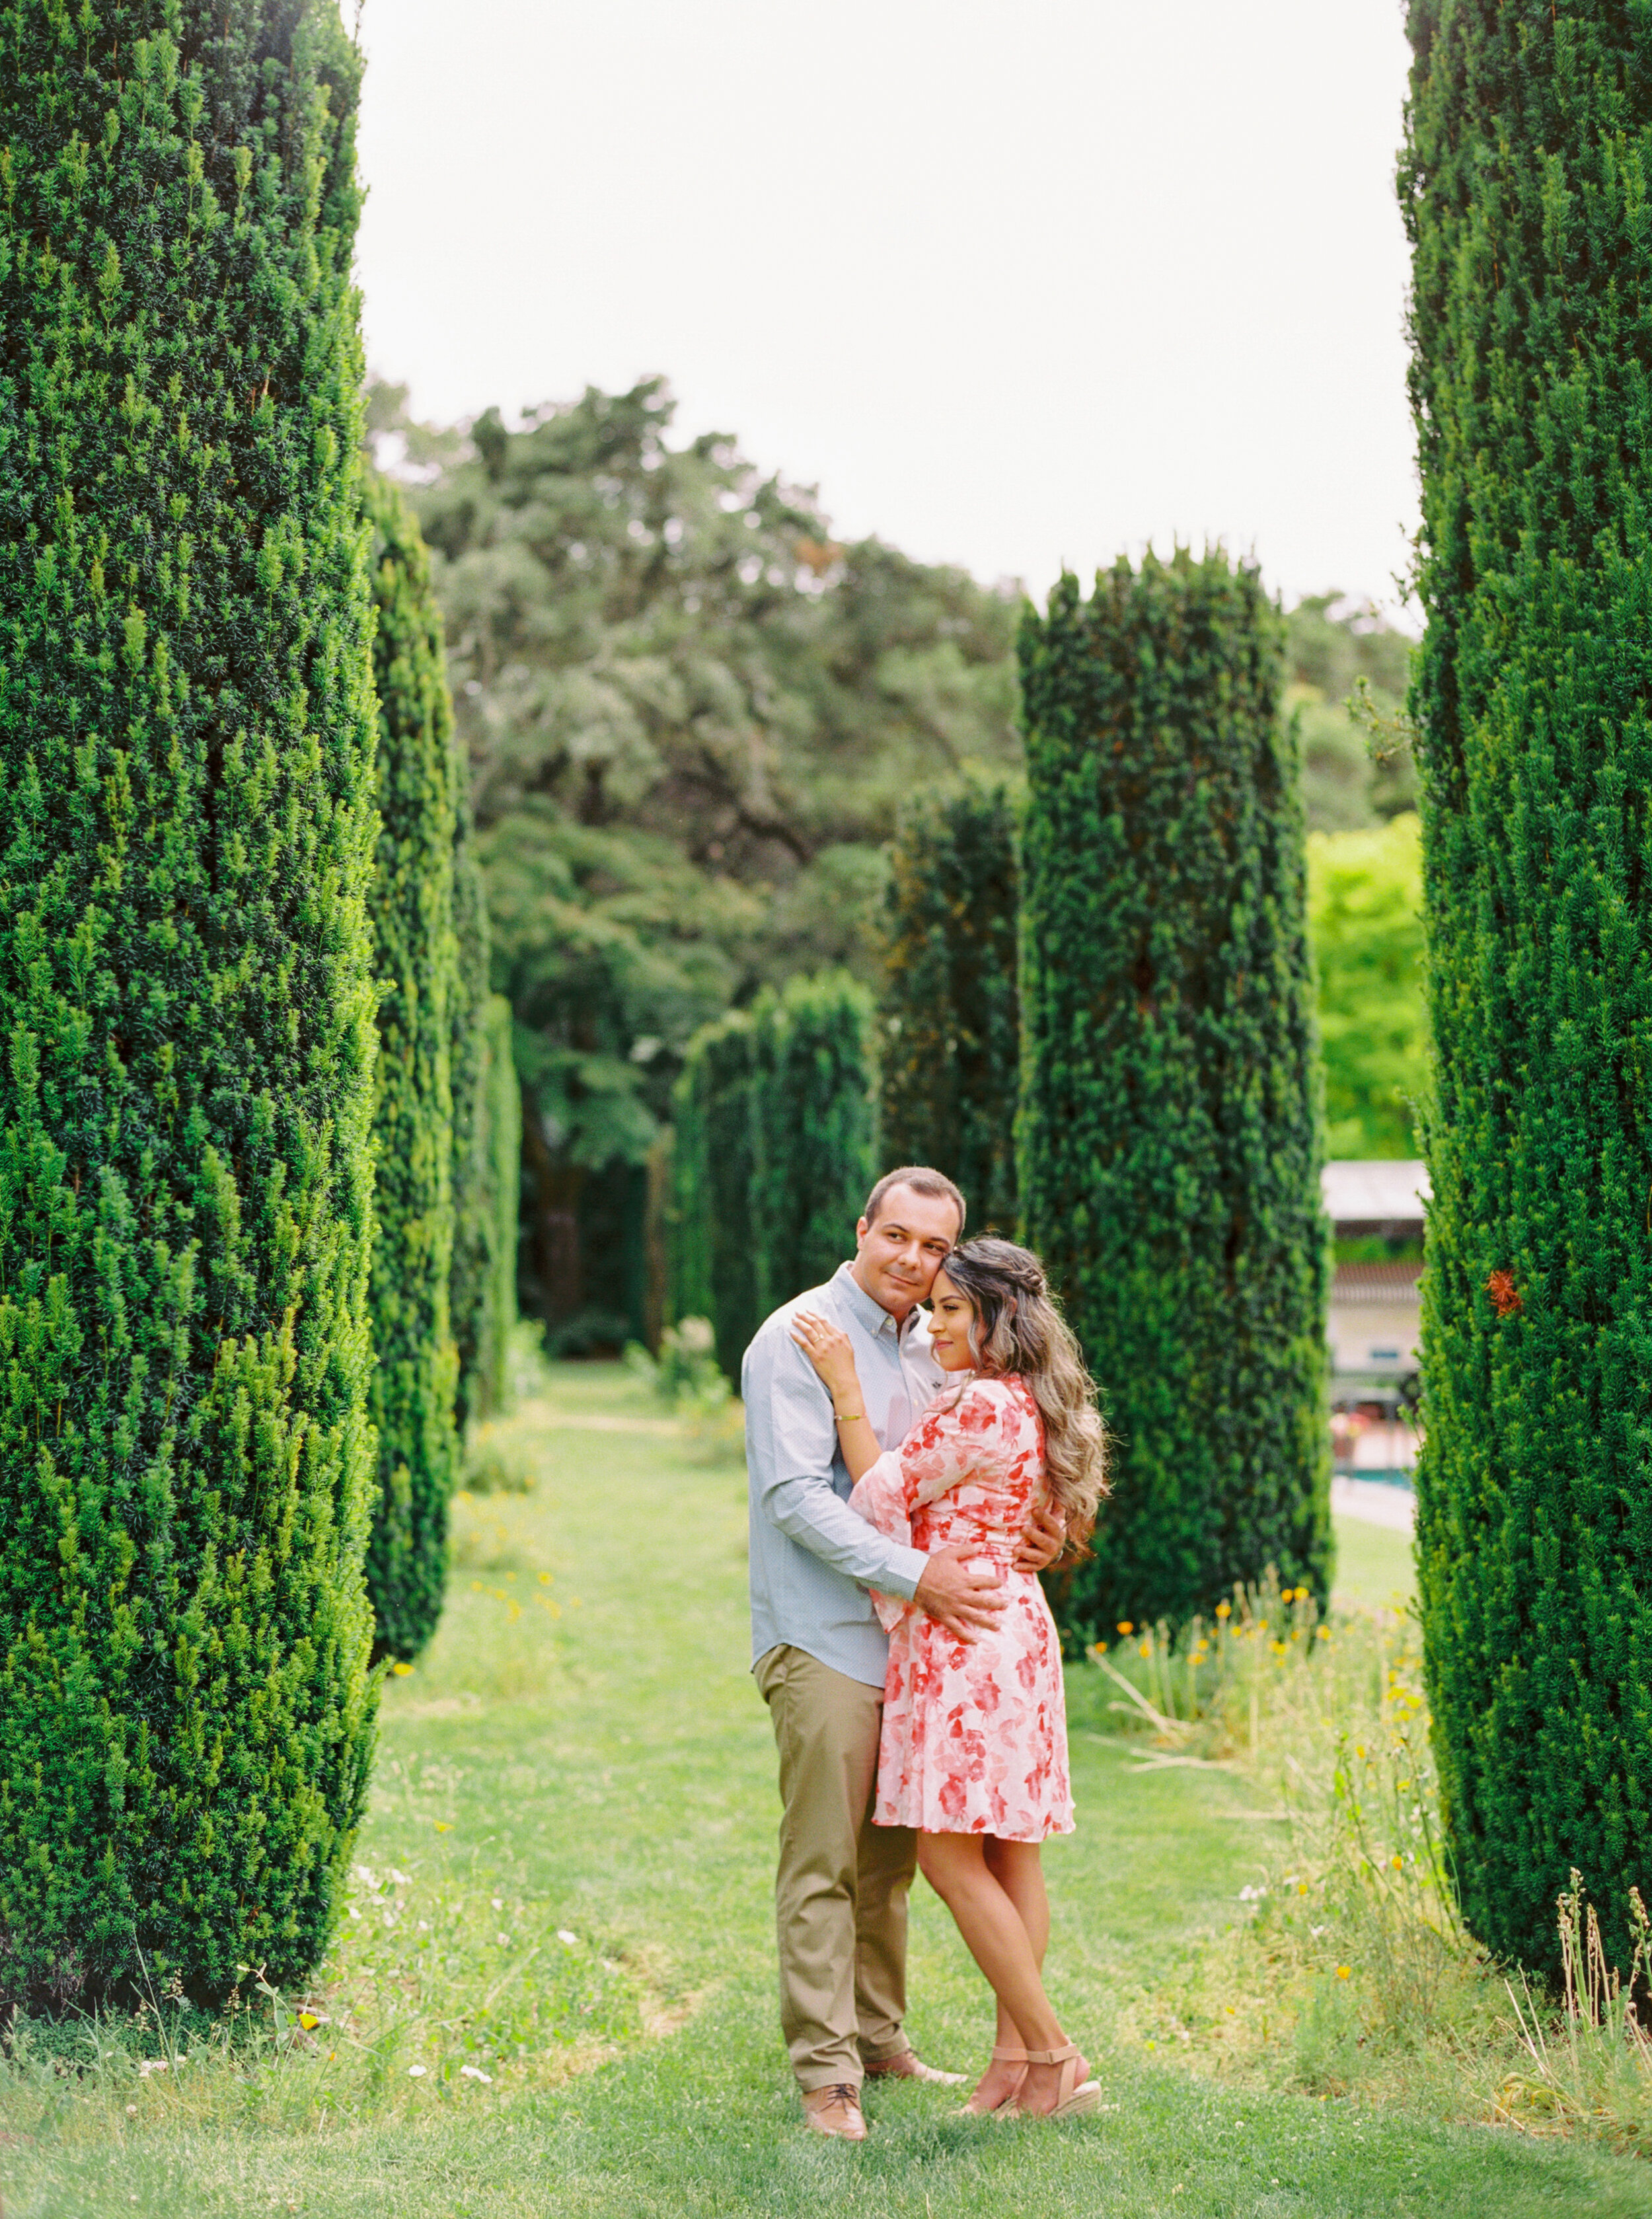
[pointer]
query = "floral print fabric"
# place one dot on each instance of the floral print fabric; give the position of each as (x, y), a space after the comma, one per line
(975, 1733)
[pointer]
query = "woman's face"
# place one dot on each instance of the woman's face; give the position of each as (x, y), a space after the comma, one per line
(951, 1315)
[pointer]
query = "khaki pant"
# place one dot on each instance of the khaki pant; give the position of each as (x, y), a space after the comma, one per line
(840, 1894)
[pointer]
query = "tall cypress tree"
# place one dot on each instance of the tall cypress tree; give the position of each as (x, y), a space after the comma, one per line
(949, 1018)
(713, 1266)
(416, 1365)
(1170, 1121)
(186, 997)
(501, 1120)
(1524, 192)
(811, 1103)
(473, 1239)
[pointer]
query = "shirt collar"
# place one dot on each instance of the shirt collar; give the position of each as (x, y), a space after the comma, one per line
(873, 1315)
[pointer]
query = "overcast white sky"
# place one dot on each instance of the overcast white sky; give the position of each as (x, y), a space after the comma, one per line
(1016, 283)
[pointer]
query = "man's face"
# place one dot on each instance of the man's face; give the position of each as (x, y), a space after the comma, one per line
(897, 1256)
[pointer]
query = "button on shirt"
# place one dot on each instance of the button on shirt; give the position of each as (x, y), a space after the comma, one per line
(812, 1559)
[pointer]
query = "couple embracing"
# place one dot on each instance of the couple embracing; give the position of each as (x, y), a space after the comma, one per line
(911, 1474)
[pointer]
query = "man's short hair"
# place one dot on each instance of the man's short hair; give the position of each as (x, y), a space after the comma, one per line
(922, 1180)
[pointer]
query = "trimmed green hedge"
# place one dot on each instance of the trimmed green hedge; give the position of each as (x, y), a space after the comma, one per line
(186, 997)
(713, 1268)
(469, 1299)
(501, 1097)
(416, 1363)
(1169, 1120)
(811, 1160)
(949, 1018)
(1523, 189)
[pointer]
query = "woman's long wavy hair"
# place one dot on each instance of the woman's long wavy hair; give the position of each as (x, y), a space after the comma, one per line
(1017, 1328)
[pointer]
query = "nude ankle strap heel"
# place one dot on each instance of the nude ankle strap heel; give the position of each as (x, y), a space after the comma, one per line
(1072, 2101)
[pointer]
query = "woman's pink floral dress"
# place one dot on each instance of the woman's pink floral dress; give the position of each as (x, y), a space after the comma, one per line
(975, 1733)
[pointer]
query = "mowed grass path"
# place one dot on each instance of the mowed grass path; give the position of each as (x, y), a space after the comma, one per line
(615, 1762)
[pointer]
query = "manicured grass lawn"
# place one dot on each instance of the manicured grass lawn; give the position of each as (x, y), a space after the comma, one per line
(611, 1769)
(1374, 1566)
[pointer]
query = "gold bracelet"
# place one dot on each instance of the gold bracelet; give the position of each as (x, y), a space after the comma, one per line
(847, 1417)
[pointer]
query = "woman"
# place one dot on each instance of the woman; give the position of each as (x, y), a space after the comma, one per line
(974, 1748)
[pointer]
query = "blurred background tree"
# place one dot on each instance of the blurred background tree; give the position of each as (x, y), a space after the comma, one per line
(1364, 897)
(691, 716)
(1334, 646)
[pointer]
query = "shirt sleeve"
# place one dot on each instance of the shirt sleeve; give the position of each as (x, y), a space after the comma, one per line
(792, 1438)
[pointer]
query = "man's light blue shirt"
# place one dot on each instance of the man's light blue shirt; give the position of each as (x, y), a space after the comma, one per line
(812, 1559)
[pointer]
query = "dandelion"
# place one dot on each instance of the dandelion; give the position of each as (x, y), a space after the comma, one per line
(400, 1670)
(1322, 1632)
(1224, 1610)
(1301, 1887)
(544, 1582)
(1127, 1626)
(310, 2020)
(1277, 1647)
(1398, 1863)
(1345, 1972)
(445, 1826)
(1143, 1649)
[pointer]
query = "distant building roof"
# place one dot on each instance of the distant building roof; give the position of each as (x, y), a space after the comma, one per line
(1384, 1193)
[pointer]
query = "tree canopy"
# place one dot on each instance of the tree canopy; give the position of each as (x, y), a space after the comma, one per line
(691, 716)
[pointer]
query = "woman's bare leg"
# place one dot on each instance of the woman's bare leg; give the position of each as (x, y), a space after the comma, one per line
(1018, 1869)
(955, 1866)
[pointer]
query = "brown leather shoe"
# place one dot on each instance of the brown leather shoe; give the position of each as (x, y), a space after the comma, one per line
(907, 2065)
(836, 2110)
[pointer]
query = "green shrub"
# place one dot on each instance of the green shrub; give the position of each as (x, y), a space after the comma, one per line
(713, 1268)
(186, 997)
(948, 1021)
(1530, 135)
(416, 1365)
(1169, 1136)
(811, 1161)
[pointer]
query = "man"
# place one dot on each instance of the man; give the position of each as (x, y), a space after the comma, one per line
(819, 1654)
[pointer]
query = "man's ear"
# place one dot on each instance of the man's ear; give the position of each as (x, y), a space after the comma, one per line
(862, 1229)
